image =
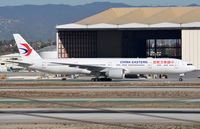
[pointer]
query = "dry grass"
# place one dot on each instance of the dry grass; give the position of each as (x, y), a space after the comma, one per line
(3, 76)
(96, 126)
(100, 94)
(98, 105)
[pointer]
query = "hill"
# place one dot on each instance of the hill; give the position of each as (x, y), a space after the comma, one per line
(37, 22)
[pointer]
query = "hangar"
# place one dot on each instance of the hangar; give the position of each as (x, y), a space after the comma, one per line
(172, 32)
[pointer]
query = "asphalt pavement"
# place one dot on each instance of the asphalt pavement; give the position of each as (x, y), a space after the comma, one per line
(102, 115)
(26, 76)
(100, 88)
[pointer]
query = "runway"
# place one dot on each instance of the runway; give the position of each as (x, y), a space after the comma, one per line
(88, 80)
(100, 115)
(101, 88)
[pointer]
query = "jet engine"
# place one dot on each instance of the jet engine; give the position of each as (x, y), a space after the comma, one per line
(115, 73)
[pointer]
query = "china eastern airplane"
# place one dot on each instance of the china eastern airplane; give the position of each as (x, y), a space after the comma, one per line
(104, 69)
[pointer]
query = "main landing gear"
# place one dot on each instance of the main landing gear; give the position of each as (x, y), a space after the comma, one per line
(181, 77)
(100, 79)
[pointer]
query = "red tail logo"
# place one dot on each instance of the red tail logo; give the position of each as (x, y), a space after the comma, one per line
(27, 50)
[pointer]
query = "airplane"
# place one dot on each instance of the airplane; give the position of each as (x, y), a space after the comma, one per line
(104, 69)
(3, 68)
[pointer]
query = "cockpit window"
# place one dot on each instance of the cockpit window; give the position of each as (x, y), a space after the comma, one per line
(189, 64)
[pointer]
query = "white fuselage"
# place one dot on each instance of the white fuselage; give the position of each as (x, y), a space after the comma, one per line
(131, 65)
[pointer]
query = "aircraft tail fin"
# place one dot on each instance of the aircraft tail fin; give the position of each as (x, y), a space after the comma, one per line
(27, 53)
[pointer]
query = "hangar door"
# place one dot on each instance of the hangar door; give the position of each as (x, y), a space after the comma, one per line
(151, 43)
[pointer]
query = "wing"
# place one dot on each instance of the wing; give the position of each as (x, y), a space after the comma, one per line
(91, 68)
(20, 63)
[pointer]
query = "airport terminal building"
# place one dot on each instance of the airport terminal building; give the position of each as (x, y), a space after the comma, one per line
(172, 32)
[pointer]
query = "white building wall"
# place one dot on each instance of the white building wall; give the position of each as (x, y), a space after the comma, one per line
(57, 42)
(49, 55)
(191, 46)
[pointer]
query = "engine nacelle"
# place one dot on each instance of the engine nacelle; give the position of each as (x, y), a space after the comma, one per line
(115, 73)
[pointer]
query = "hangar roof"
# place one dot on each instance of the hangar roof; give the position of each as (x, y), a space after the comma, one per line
(150, 17)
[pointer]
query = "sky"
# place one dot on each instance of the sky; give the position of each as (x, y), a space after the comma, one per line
(80, 2)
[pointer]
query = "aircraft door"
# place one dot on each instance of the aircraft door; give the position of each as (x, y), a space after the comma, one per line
(109, 64)
(149, 65)
(176, 65)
